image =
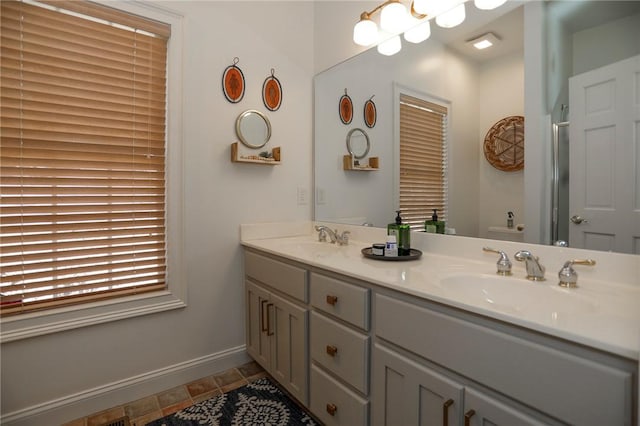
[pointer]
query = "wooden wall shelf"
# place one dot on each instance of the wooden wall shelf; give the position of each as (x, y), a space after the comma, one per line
(275, 160)
(373, 164)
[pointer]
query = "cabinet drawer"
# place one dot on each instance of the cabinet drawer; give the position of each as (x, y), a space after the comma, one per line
(327, 394)
(341, 350)
(286, 278)
(346, 301)
(566, 386)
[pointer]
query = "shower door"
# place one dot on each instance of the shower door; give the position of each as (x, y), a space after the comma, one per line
(604, 158)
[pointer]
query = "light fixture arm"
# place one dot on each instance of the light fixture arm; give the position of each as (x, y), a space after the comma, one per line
(367, 15)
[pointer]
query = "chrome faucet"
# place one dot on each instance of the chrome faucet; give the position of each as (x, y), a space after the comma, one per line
(341, 239)
(504, 264)
(568, 277)
(535, 271)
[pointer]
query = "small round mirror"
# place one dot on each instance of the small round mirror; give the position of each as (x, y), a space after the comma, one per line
(253, 129)
(358, 143)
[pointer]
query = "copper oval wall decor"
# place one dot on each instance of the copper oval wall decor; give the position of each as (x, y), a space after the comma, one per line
(345, 107)
(370, 113)
(272, 92)
(233, 82)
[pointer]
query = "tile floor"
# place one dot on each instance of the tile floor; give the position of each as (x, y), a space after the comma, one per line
(153, 407)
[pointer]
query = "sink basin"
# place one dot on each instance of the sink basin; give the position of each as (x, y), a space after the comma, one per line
(517, 295)
(310, 248)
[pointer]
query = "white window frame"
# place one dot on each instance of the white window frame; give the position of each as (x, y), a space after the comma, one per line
(39, 323)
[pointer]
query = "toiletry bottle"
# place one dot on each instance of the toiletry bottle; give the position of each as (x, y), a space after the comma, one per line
(434, 225)
(402, 231)
(391, 247)
(509, 220)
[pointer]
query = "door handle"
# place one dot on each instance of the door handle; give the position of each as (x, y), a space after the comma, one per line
(578, 219)
(445, 411)
(467, 417)
(269, 331)
(332, 350)
(263, 326)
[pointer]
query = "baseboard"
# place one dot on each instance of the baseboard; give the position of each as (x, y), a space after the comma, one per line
(71, 407)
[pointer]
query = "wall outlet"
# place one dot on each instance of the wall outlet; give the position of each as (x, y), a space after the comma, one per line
(303, 196)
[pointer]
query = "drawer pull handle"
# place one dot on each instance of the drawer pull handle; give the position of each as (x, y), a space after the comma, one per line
(467, 417)
(331, 409)
(332, 300)
(263, 323)
(445, 411)
(332, 350)
(269, 332)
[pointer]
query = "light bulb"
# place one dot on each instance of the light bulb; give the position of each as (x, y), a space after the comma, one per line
(393, 17)
(428, 7)
(419, 32)
(452, 18)
(390, 46)
(365, 32)
(488, 4)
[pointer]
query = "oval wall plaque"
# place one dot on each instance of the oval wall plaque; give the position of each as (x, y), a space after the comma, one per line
(370, 113)
(233, 82)
(345, 108)
(272, 92)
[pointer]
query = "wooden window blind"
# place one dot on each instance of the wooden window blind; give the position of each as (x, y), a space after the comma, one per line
(423, 160)
(82, 154)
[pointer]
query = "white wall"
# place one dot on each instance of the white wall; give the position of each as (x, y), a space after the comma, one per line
(147, 354)
(501, 81)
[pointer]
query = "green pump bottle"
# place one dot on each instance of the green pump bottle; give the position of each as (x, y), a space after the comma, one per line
(402, 231)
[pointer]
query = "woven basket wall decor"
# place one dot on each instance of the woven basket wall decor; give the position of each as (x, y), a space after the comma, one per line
(504, 144)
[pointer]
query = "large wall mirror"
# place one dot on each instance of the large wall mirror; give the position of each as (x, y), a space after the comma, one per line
(481, 87)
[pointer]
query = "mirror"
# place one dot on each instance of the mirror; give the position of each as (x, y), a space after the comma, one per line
(480, 91)
(253, 129)
(358, 144)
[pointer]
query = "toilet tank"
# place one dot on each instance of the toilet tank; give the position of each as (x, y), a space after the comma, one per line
(505, 234)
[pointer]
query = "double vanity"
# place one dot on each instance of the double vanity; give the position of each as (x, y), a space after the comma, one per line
(442, 339)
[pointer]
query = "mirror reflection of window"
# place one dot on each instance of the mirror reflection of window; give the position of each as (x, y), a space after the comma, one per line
(423, 160)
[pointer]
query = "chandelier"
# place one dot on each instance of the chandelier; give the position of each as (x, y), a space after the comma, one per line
(414, 22)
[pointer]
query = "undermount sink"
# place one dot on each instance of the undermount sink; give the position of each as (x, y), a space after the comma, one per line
(517, 295)
(311, 248)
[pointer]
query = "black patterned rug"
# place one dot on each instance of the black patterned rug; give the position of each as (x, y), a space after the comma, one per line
(258, 403)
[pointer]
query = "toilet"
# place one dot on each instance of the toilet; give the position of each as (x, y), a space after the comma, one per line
(505, 234)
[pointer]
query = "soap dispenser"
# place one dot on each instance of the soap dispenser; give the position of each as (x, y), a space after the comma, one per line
(402, 231)
(509, 220)
(434, 225)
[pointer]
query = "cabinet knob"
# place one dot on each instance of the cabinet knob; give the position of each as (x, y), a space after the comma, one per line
(445, 411)
(332, 300)
(467, 417)
(332, 350)
(331, 409)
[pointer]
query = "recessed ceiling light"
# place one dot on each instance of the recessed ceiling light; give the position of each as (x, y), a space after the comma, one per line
(484, 41)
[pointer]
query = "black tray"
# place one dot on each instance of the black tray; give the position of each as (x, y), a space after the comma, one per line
(413, 255)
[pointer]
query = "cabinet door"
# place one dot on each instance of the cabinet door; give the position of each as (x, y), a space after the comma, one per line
(289, 353)
(257, 338)
(407, 393)
(480, 409)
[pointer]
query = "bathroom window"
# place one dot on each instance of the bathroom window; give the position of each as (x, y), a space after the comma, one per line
(83, 211)
(423, 160)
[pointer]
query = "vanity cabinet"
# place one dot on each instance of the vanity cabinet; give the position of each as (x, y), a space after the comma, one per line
(410, 393)
(340, 351)
(277, 321)
(356, 353)
(508, 375)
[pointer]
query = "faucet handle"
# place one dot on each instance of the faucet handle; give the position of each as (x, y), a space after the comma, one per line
(503, 264)
(568, 276)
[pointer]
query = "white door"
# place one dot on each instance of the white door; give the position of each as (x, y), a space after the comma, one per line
(605, 158)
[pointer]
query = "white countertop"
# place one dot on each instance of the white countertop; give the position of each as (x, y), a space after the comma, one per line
(601, 314)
